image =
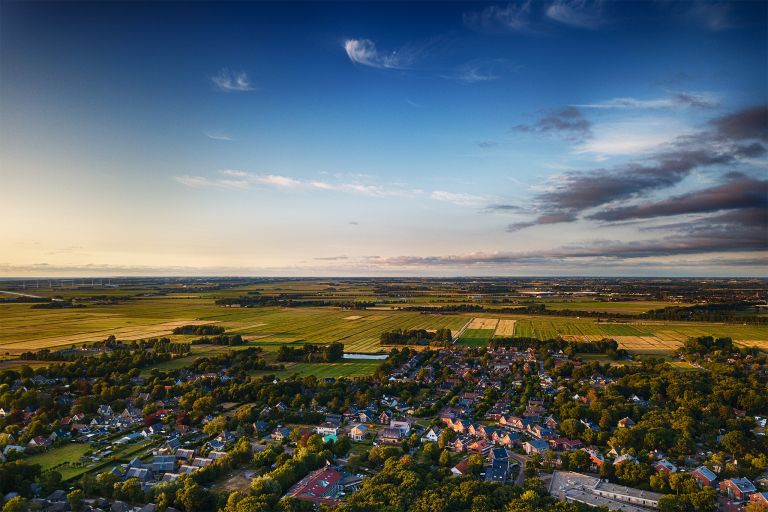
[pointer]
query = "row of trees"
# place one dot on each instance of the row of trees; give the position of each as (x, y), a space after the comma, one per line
(312, 353)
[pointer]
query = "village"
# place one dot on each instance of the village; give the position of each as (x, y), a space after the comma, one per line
(494, 415)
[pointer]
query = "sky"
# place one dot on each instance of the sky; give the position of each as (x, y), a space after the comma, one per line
(559, 137)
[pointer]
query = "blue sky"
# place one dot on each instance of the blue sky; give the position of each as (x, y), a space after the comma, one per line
(524, 138)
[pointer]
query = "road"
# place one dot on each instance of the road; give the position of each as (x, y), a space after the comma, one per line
(521, 459)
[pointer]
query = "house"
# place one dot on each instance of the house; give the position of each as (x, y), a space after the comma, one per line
(508, 439)
(390, 435)
(551, 422)
(739, 489)
(403, 425)
(185, 454)
(461, 468)
(432, 435)
(626, 423)
(327, 429)
(480, 446)
(163, 463)
(596, 457)
(665, 466)
(499, 454)
(535, 446)
(385, 417)
(704, 476)
(105, 410)
(565, 444)
(142, 474)
(541, 432)
(358, 432)
(499, 471)
(367, 416)
(621, 459)
(461, 426)
(320, 486)
(281, 433)
(459, 445)
(333, 418)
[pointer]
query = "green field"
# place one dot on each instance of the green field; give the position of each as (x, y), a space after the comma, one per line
(63, 459)
(323, 370)
(476, 337)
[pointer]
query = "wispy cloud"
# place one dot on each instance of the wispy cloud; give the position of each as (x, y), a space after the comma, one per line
(714, 16)
(458, 198)
(514, 17)
(678, 99)
(228, 81)
(582, 14)
(481, 70)
(218, 136)
(237, 179)
(364, 51)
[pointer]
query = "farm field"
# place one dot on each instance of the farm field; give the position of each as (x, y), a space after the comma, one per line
(628, 307)
(146, 314)
(23, 328)
(641, 337)
(476, 337)
(323, 370)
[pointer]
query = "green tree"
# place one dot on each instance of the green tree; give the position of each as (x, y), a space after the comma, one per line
(15, 504)
(75, 499)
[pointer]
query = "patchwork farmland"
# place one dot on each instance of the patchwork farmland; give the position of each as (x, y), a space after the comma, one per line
(144, 313)
(639, 337)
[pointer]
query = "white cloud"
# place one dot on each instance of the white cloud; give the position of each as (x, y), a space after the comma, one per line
(632, 136)
(364, 51)
(228, 81)
(203, 182)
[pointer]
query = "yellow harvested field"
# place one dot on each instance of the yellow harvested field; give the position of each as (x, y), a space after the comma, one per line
(483, 323)
(762, 344)
(121, 333)
(651, 344)
(671, 336)
(353, 317)
(505, 328)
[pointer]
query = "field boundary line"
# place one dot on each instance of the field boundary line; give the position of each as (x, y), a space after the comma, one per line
(461, 331)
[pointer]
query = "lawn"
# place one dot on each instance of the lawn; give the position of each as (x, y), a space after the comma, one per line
(66, 454)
